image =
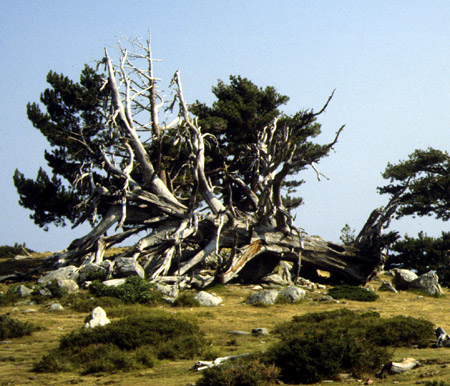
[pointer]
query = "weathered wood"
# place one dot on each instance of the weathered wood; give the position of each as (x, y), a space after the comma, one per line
(180, 237)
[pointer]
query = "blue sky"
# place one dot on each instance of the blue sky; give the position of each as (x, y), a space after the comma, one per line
(389, 62)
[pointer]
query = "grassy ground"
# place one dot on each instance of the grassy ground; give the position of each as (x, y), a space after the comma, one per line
(17, 356)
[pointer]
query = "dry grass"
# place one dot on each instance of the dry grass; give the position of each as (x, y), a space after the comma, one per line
(18, 355)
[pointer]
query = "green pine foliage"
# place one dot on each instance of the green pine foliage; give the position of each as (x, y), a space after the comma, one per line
(73, 125)
(422, 254)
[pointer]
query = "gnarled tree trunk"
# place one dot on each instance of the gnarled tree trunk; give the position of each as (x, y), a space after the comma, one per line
(199, 231)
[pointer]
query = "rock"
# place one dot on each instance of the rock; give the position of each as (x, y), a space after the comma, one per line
(98, 318)
(68, 284)
(387, 286)
(169, 292)
(402, 278)
(91, 272)
(127, 266)
(69, 272)
(45, 292)
(275, 279)
(428, 282)
(114, 282)
(265, 297)
(24, 291)
(208, 300)
(260, 332)
(55, 307)
(293, 294)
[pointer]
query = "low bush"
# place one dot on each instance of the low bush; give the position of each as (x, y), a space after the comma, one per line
(186, 299)
(11, 251)
(437, 383)
(318, 345)
(130, 343)
(134, 290)
(350, 292)
(240, 373)
(13, 328)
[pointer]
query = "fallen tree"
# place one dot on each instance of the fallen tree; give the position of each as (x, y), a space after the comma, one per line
(193, 207)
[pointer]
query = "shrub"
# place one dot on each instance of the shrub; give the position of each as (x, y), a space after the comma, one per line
(11, 251)
(186, 299)
(318, 345)
(401, 331)
(350, 292)
(134, 290)
(437, 383)
(13, 328)
(239, 373)
(130, 343)
(317, 355)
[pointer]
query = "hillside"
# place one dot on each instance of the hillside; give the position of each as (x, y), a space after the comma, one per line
(17, 356)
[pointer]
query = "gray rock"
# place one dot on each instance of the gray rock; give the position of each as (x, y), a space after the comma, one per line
(55, 307)
(276, 279)
(69, 272)
(402, 278)
(207, 299)
(114, 282)
(24, 291)
(68, 284)
(265, 297)
(97, 318)
(387, 286)
(91, 272)
(428, 282)
(293, 294)
(45, 292)
(260, 332)
(127, 266)
(169, 292)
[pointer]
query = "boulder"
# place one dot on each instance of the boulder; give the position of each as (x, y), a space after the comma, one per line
(114, 282)
(169, 292)
(91, 272)
(276, 279)
(207, 299)
(23, 291)
(55, 307)
(127, 266)
(428, 282)
(69, 272)
(387, 286)
(265, 297)
(68, 284)
(402, 278)
(292, 294)
(97, 318)
(260, 331)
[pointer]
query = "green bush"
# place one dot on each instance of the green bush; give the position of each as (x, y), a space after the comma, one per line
(319, 345)
(134, 290)
(130, 343)
(437, 383)
(13, 328)
(186, 299)
(350, 292)
(401, 331)
(239, 373)
(318, 355)
(11, 251)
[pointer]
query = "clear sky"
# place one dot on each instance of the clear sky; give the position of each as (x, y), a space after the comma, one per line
(388, 60)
